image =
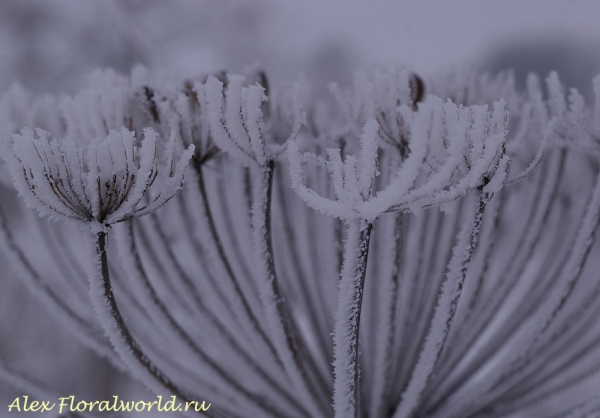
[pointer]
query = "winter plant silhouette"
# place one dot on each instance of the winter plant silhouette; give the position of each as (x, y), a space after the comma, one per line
(383, 255)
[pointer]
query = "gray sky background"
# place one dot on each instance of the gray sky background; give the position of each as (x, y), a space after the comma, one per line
(50, 45)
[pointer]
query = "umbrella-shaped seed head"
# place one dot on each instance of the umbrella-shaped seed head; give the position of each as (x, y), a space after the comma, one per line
(109, 181)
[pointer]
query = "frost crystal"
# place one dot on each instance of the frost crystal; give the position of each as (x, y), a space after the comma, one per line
(452, 276)
(102, 184)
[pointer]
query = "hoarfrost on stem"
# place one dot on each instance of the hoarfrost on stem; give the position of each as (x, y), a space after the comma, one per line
(454, 268)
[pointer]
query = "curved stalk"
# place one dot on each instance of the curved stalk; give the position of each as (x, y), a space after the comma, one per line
(165, 320)
(445, 310)
(290, 348)
(125, 345)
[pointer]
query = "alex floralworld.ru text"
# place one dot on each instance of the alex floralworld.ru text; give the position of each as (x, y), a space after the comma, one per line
(69, 404)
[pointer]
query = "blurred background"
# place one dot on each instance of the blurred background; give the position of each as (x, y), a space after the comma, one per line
(51, 46)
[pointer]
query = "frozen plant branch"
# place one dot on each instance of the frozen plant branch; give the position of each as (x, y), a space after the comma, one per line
(238, 129)
(99, 186)
(454, 266)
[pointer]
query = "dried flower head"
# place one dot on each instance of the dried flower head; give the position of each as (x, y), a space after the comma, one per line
(111, 180)
(452, 150)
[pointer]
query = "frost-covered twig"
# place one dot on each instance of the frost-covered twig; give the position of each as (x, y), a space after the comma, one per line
(464, 150)
(98, 187)
(238, 129)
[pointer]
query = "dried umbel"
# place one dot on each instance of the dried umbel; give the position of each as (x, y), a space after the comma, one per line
(110, 181)
(453, 151)
(232, 292)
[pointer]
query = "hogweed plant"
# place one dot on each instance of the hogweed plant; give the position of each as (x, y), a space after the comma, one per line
(98, 186)
(390, 253)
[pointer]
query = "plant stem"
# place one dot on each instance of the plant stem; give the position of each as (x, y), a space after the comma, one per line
(345, 338)
(120, 337)
(247, 313)
(289, 346)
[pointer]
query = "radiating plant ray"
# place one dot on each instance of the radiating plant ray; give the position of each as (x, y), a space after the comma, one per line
(411, 248)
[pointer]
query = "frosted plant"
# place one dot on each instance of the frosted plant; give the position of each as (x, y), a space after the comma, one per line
(110, 181)
(467, 145)
(388, 254)
(238, 129)
(99, 186)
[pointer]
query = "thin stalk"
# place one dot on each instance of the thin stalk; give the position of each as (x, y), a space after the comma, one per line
(537, 216)
(415, 235)
(310, 298)
(163, 316)
(445, 310)
(117, 331)
(386, 329)
(570, 274)
(241, 297)
(290, 348)
(345, 338)
(479, 272)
